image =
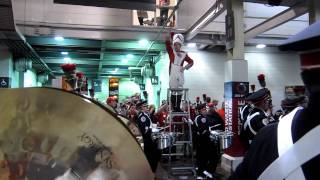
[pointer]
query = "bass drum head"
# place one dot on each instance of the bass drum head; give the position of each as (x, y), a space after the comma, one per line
(53, 134)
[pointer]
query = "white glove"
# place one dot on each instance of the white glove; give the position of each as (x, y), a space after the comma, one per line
(155, 130)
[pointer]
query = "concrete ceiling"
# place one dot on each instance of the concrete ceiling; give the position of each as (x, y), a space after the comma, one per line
(98, 39)
(95, 58)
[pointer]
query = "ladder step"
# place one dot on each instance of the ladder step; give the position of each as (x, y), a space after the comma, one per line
(183, 168)
(173, 154)
(177, 123)
(178, 89)
(173, 114)
(183, 142)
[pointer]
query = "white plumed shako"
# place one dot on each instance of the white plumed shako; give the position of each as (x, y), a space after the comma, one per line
(178, 38)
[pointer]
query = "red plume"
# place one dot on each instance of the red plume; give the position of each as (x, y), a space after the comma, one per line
(262, 80)
(261, 77)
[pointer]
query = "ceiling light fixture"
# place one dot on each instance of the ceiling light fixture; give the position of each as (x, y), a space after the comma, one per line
(124, 60)
(67, 59)
(64, 53)
(130, 56)
(143, 42)
(261, 46)
(58, 38)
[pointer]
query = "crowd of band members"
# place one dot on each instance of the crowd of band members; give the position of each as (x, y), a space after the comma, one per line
(256, 114)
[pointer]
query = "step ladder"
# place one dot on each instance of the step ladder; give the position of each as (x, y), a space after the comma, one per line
(183, 133)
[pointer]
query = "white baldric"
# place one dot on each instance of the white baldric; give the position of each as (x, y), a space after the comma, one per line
(291, 156)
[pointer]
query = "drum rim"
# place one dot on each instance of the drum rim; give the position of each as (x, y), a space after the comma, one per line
(92, 101)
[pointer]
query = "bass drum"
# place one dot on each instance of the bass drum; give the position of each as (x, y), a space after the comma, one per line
(133, 129)
(53, 134)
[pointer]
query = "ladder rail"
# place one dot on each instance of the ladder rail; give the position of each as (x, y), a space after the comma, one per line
(188, 141)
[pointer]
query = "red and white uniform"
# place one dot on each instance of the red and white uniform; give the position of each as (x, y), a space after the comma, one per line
(177, 59)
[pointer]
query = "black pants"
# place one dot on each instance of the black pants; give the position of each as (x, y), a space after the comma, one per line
(163, 15)
(207, 157)
(140, 21)
(176, 102)
(152, 153)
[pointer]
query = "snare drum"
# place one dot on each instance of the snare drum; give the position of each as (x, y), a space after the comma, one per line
(165, 140)
(224, 138)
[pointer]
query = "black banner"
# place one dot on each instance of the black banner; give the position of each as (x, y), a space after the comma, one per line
(147, 5)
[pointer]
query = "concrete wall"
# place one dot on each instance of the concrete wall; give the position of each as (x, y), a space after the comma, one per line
(7, 70)
(7, 67)
(30, 79)
(207, 74)
(127, 88)
(101, 96)
(5, 58)
(280, 69)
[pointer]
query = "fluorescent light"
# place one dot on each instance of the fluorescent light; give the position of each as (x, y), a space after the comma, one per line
(130, 56)
(124, 60)
(67, 59)
(261, 46)
(143, 42)
(58, 38)
(192, 45)
(132, 68)
(64, 53)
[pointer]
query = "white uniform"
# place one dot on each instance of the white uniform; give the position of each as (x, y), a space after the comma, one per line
(176, 73)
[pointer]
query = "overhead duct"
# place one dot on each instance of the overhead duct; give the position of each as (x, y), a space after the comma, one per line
(149, 5)
(15, 41)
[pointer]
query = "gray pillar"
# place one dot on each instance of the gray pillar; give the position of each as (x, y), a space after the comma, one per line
(21, 79)
(314, 11)
(236, 75)
(236, 7)
(5, 63)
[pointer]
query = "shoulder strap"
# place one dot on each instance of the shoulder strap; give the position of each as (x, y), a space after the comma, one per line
(288, 164)
(248, 122)
(284, 136)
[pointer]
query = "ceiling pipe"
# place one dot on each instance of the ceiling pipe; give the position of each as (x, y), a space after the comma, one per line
(216, 10)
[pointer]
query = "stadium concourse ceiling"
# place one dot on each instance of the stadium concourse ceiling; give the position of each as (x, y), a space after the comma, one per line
(96, 58)
(107, 41)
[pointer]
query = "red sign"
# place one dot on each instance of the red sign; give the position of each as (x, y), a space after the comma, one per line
(234, 99)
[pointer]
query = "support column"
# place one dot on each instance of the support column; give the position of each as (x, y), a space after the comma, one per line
(236, 81)
(21, 79)
(314, 11)
(5, 62)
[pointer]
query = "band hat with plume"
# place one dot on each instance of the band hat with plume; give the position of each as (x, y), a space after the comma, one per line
(178, 38)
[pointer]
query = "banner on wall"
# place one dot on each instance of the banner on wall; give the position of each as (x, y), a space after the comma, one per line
(96, 84)
(294, 91)
(114, 87)
(234, 98)
(5, 82)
